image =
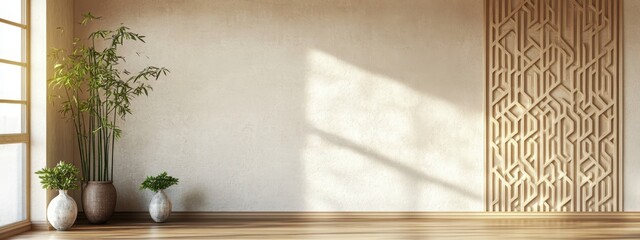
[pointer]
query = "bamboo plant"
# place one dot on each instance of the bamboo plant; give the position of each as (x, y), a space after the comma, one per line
(97, 93)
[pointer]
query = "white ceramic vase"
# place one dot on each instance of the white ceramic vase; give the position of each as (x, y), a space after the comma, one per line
(160, 207)
(62, 211)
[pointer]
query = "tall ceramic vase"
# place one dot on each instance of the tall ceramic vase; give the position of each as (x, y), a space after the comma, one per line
(62, 211)
(160, 207)
(99, 201)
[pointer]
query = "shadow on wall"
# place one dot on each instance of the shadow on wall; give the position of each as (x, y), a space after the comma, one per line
(384, 140)
(410, 171)
(306, 105)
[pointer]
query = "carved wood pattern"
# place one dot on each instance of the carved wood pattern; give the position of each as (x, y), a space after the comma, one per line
(553, 105)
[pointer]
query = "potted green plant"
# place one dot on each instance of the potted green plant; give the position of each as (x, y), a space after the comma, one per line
(160, 205)
(62, 210)
(97, 92)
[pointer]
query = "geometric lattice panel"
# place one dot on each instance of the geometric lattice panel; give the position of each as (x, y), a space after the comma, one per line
(553, 105)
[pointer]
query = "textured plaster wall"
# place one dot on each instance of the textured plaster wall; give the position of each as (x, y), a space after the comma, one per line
(305, 105)
(632, 105)
(318, 105)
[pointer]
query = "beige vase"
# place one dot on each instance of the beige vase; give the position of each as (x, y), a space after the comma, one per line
(99, 201)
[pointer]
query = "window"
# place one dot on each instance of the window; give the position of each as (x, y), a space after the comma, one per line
(14, 111)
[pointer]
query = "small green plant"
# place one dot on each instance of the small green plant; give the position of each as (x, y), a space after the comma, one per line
(160, 182)
(64, 176)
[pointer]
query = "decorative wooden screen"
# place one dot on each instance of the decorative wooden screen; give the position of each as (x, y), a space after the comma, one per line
(553, 105)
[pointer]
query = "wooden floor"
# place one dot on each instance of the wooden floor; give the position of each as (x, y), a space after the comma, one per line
(459, 227)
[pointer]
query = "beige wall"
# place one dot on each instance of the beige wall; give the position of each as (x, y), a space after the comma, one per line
(306, 105)
(52, 140)
(317, 105)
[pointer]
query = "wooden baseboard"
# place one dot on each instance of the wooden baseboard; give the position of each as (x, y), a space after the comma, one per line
(363, 216)
(41, 226)
(14, 229)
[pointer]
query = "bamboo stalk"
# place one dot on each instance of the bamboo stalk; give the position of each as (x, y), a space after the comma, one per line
(113, 140)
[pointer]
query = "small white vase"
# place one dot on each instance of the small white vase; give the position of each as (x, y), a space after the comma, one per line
(160, 207)
(62, 211)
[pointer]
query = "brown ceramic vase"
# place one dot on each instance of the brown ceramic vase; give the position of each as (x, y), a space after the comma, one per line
(99, 201)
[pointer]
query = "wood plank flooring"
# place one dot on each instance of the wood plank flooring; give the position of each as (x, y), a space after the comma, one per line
(460, 227)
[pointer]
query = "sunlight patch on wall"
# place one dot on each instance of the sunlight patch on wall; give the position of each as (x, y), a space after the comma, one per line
(373, 139)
